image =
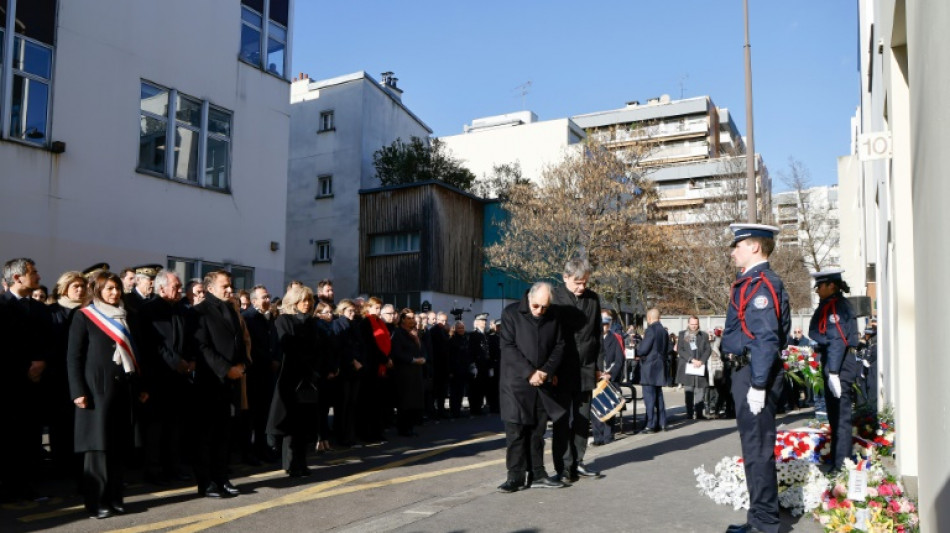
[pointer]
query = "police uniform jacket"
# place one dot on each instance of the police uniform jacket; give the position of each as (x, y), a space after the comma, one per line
(107, 423)
(685, 354)
(834, 328)
(652, 352)
(580, 319)
(612, 356)
(219, 345)
(758, 320)
(478, 345)
(528, 343)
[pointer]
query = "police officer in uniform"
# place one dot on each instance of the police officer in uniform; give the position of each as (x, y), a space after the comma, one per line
(758, 322)
(834, 329)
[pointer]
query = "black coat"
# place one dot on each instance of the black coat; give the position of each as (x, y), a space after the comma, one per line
(652, 352)
(461, 356)
(162, 328)
(304, 349)
(407, 375)
(105, 425)
(528, 344)
(349, 347)
(219, 345)
(685, 354)
(580, 319)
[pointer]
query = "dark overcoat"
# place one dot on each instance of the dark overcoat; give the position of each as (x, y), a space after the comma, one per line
(161, 350)
(528, 344)
(685, 354)
(580, 320)
(349, 347)
(304, 350)
(106, 425)
(652, 352)
(219, 345)
(406, 374)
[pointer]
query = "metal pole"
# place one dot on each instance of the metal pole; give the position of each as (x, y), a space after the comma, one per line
(750, 145)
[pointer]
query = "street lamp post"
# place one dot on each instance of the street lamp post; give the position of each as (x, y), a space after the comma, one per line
(750, 145)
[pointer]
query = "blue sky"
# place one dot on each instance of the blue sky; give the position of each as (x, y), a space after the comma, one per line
(457, 61)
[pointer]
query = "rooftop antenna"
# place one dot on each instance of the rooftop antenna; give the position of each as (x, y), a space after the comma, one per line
(683, 85)
(523, 91)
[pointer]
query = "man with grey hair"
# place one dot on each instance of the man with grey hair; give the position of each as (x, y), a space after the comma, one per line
(531, 349)
(25, 325)
(579, 313)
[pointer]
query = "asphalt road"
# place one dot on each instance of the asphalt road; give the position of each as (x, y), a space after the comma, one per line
(443, 480)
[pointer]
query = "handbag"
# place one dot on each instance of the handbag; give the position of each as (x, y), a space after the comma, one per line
(306, 392)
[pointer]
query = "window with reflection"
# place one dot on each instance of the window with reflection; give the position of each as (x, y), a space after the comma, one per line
(199, 134)
(30, 73)
(264, 37)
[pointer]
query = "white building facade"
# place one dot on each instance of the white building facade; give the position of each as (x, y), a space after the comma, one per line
(513, 138)
(336, 126)
(129, 144)
(810, 219)
(902, 191)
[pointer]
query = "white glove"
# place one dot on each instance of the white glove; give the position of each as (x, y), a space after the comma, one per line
(835, 384)
(866, 363)
(756, 399)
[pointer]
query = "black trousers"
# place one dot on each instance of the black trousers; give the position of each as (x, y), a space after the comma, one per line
(655, 407)
(569, 444)
(212, 437)
(458, 386)
(840, 412)
(526, 447)
(102, 474)
(344, 411)
(294, 452)
(757, 435)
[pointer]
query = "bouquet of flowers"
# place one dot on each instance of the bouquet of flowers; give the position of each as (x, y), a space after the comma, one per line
(727, 485)
(805, 444)
(802, 366)
(874, 430)
(884, 508)
(800, 484)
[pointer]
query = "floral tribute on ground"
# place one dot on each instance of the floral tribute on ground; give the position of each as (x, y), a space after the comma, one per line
(883, 507)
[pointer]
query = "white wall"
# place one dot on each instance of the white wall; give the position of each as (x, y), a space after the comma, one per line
(89, 204)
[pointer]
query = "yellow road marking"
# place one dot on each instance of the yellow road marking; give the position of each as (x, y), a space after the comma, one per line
(322, 490)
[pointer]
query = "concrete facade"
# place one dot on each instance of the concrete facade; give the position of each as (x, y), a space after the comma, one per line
(367, 115)
(905, 53)
(90, 203)
(819, 208)
(513, 138)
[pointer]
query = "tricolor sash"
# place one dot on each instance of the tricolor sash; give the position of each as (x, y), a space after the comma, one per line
(116, 331)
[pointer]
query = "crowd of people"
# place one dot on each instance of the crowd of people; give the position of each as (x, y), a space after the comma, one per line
(179, 378)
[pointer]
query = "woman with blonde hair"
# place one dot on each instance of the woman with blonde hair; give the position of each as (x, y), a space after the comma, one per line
(293, 413)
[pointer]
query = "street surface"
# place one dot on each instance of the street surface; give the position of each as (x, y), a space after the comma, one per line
(440, 481)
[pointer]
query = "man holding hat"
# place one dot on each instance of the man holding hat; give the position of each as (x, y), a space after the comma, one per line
(758, 322)
(834, 329)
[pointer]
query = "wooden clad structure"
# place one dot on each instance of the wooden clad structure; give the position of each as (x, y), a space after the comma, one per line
(448, 225)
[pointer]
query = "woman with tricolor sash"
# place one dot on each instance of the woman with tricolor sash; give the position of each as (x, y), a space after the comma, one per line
(102, 369)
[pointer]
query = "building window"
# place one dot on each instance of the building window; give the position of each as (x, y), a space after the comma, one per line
(394, 243)
(264, 38)
(200, 135)
(326, 121)
(324, 186)
(27, 29)
(323, 252)
(242, 277)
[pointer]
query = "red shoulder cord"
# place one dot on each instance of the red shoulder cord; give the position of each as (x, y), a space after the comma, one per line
(743, 300)
(823, 322)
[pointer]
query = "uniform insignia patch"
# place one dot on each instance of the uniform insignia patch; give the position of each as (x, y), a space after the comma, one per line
(833, 319)
(760, 302)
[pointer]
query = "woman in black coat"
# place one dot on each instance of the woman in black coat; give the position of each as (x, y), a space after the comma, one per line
(351, 365)
(294, 411)
(408, 363)
(329, 384)
(101, 368)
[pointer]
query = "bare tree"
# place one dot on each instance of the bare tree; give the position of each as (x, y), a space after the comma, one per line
(817, 231)
(499, 183)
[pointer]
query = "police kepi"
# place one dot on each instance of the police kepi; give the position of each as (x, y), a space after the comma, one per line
(757, 327)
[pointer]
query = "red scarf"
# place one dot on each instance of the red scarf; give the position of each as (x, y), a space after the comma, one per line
(383, 340)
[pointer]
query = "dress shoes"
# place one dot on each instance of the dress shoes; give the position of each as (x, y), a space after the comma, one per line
(581, 471)
(104, 512)
(213, 490)
(119, 508)
(299, 472)
(567, 478)
(511, 486)
(743, 528)
(648, 431)
(230, 489)
(547, 483)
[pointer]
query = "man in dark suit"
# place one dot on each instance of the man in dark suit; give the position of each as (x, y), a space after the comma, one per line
(144, 289)
(578, 309)
(167, 370)
(262, 372)
(220, 360)
(652, 352)
(531, 349)
(26, 328)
